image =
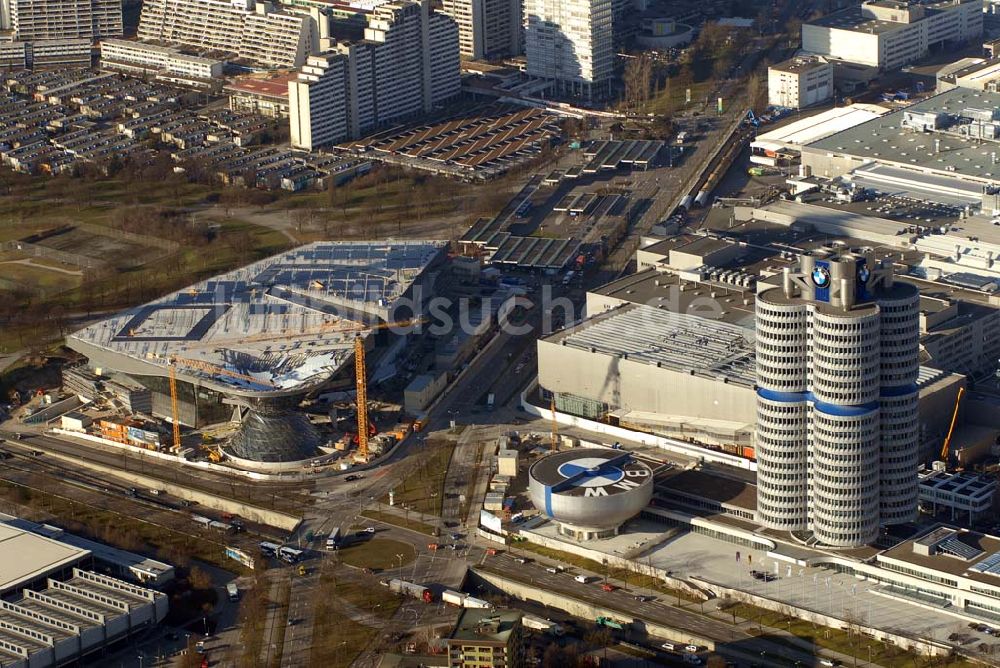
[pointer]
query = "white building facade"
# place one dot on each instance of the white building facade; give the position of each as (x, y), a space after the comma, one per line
(888, 34)
(407, 65)
(837, 352)
(571, 43)
(487, 29)
(139, 57)
(252, 31)
(317, 102)
(800, 82)
(58, 33)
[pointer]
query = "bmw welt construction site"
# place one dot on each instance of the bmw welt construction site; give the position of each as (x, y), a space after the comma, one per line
(247, 346)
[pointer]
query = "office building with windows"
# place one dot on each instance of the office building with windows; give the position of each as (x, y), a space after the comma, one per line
(837, 354)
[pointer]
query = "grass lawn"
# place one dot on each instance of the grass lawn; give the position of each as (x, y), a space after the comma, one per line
(377, 554)
(851, 644)
(423, 489)
(35, 277)
(412, 525)
(337, 639)
(369, 596)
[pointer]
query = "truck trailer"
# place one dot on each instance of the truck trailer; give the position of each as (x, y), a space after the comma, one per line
(409, 589)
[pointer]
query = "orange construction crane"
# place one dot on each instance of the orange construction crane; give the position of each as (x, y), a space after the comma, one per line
(946, 447)
(175, 412)
(361, 378)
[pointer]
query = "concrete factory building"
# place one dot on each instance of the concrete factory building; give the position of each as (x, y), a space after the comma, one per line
(591, 492)
(888, 34)
(837, 420)
(260, 337)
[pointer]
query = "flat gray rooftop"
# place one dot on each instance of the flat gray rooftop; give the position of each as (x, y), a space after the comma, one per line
(678, 341)
(883, 139)
(280, 325)
(652, 288)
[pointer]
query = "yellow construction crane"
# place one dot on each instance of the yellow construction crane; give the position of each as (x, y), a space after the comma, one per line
(174, 411)
(361, 380)
(555, 424)
(946, 447)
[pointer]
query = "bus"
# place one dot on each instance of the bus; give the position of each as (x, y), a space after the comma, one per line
(269, 549)
(289, 555)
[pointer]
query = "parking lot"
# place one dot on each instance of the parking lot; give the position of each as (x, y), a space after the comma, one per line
(481, 143)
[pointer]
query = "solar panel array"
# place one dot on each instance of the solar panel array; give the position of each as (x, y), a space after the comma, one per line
(990, 565)
(957, 548)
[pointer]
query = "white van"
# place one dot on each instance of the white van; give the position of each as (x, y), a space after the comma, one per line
(582, 579)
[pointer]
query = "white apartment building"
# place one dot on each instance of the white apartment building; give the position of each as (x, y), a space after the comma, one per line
(60, 53)
(317, 102)
(487, 29)
(255, 32)
(570, 43)
(800, 82)
(407, 65)
(888, 34)
(33, 20)
(53, 32)
(138, 57)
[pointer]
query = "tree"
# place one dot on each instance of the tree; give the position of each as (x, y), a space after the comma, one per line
(199, 579)
(638, 78)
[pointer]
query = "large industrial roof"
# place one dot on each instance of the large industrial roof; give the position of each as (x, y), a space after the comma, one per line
(885, 140)
(279, 326)
(26, 556)
(679, 341)
(821, 125)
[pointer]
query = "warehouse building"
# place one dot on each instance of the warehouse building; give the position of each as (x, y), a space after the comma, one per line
(888, 34)
(944, 147)
(800, 82)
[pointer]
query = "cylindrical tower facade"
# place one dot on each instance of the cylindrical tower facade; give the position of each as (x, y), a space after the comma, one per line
(844, 388)
(900, 424)
(837, 422)
(782, 445)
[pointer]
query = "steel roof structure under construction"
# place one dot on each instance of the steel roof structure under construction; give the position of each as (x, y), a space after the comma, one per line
(277, 327)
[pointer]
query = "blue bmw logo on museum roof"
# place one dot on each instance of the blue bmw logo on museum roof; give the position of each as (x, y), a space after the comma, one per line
(821, 277)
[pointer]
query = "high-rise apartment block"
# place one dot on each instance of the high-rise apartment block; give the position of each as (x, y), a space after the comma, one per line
(888, 34)
(487, 29)
(837, 426)
(317, 102)
(570, 43)
(408, 64)
(59, 32)
(254, 31)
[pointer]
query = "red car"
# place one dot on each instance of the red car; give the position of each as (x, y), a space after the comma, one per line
(608, 587)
